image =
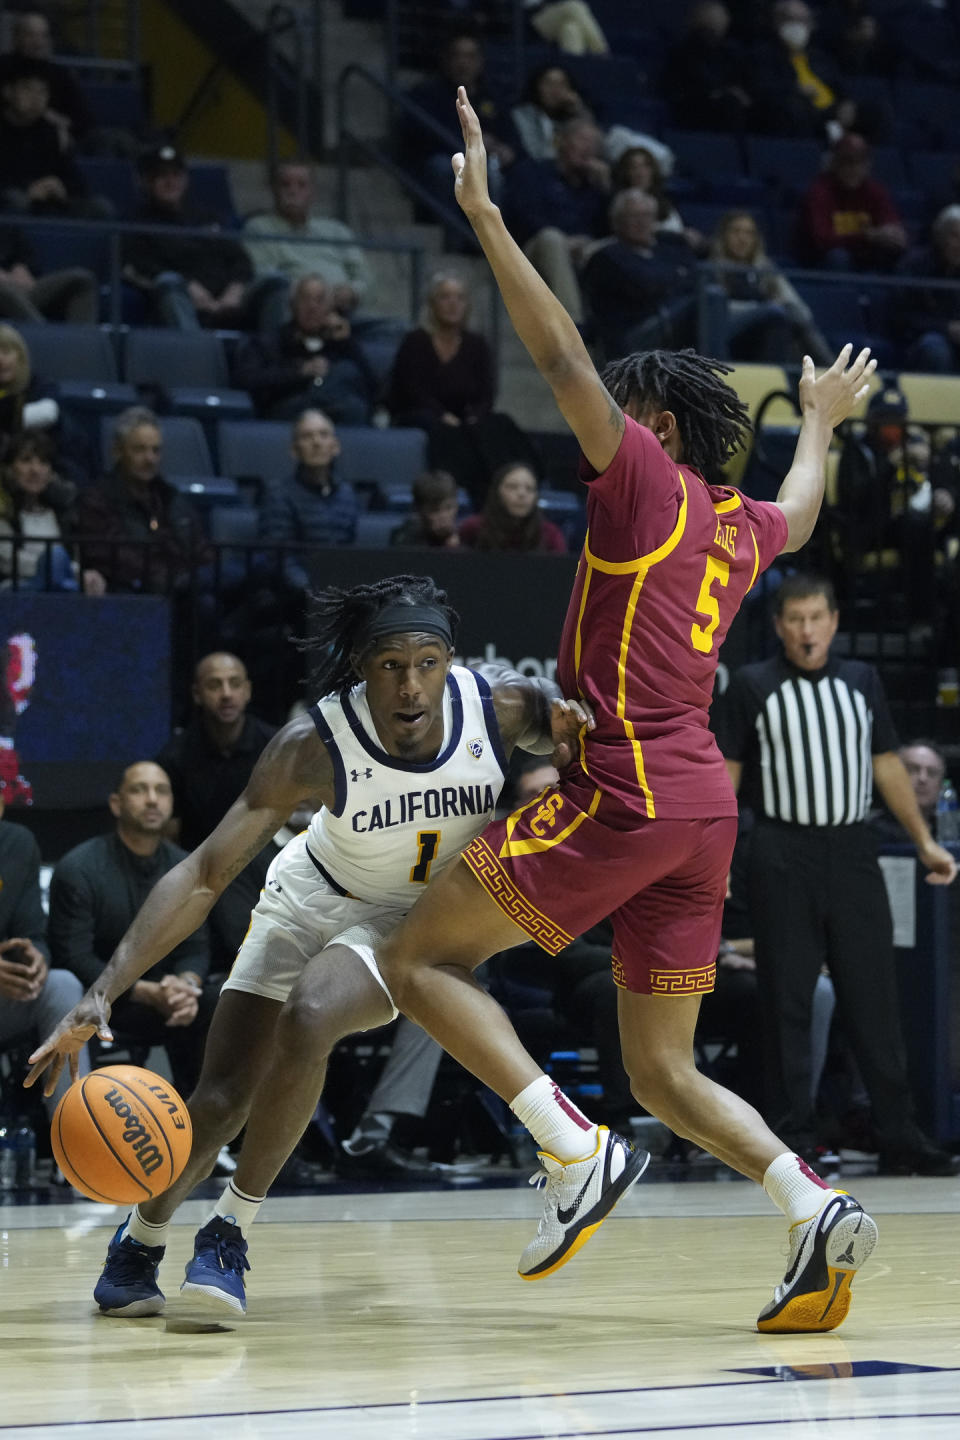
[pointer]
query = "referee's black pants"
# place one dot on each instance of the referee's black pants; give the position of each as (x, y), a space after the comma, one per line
(818, 898)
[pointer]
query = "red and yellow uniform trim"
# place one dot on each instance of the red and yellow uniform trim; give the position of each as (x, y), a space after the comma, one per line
(639, 568)
(500, 887)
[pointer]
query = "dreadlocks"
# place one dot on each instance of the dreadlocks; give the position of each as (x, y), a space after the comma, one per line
(342, 621)
(711, 418)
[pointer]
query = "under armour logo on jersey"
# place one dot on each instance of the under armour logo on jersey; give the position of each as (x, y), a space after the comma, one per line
(475, 747)
(356, 775)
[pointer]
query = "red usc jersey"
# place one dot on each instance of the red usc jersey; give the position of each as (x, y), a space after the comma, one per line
(666, 564)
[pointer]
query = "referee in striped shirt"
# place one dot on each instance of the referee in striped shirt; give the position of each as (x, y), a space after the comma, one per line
(818, 731)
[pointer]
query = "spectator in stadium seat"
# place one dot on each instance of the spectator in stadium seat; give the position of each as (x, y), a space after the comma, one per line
(551, 98)
(24, 405)
(36, 507)
(848, 220)
(443, 381)
(311, 359)
(433, 523)
(926, 766)
(298, 242)
(766, 318)
(70, 294)
(640, 285)
(646, 167)
(96, 890)
(37, 171)
(135, 529)
(460, 61)
(208, 763)
(67, 109)
(928, 320)
(311, 506)
(555, 208)
(32, 996)
(796, 89)
(192, 280)
(511, 517)
(569, 24)
(706, 75)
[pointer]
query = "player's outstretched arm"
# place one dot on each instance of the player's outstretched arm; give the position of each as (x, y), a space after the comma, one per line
(532, 714)
(825, 401)
(538, 317)
(294, 766)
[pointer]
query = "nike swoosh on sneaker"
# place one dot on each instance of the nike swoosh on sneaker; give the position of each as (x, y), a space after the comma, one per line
(565, 1216)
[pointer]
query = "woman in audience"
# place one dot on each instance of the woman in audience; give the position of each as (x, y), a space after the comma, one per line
(36, 517)
(647, 167)
(22, 404)
(551, 97)
(511, 518)
(766, 318)
(443, 381)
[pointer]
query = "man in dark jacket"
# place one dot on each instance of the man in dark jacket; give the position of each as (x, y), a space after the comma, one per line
(194, 280)
(97, 889)
(928, 320)
(134, 527)
(310, 360)
(37, 171)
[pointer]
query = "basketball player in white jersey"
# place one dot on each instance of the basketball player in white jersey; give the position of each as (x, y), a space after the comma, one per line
(404, 760)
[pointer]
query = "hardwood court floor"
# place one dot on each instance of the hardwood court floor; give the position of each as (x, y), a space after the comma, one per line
(401, 1315)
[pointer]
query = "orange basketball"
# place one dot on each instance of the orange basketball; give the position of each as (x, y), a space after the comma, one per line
(121, 1134)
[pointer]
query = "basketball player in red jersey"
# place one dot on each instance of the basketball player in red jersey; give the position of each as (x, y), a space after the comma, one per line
(641, 827)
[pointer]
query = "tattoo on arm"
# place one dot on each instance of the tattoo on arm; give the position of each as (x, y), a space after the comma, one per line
(615, 415)
(232, 870)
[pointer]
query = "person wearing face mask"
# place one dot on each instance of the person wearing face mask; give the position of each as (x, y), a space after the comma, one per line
(511, 518)
(797, 89)
(814, 734)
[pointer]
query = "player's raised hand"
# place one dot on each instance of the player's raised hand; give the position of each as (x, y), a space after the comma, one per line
(470, 164)
(834, 393)
(567, 719)
(89, 1017)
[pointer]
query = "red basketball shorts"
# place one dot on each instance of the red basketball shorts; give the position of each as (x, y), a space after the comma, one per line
(576, 855)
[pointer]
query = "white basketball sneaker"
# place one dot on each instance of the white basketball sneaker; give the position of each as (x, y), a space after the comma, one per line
(577, 1199)
(826, 1252)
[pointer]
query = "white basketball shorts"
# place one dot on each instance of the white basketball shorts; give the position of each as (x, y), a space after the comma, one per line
(298, 916)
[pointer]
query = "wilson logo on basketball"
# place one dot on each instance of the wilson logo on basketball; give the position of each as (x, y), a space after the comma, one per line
(135, 1133)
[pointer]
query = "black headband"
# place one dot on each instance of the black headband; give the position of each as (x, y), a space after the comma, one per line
(399, 619)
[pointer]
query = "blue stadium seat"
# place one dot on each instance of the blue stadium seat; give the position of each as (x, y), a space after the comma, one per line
(565, 510)
(888, 166)
(789, 165)
(705, 155)
(185, 448)
(175, 358)
(70, 352)
(384, 459)
(209, 405)
(233, 524)
(210, 190)
(928, 115)
(112, 177)
(259, 448)
(116, 104)
(205, 490)
(931, 171)
(374, 528)
(60, 245)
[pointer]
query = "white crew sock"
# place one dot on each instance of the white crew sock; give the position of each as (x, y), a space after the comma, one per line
(139, 1229)
(554, 1121)
(237, 1207)
(794, 1188)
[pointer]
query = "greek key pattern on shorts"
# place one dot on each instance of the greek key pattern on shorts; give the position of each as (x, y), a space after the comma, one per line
(683, 982)
(498, 885)
(619, 978)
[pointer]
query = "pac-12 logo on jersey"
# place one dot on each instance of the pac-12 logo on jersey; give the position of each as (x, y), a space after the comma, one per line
(475, 747)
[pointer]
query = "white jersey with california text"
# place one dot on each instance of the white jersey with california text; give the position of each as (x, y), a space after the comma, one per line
(395, 824)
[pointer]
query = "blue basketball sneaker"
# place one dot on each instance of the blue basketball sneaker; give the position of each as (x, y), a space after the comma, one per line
(128, 1282)
(219, 1260)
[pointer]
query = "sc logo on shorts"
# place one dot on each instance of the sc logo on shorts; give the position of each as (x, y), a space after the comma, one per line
(546, 815)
